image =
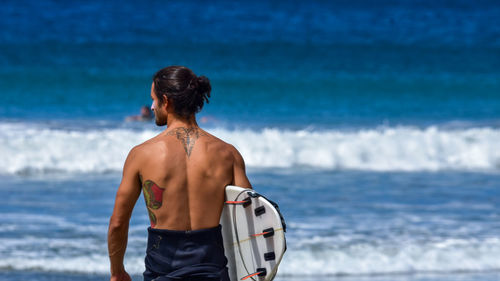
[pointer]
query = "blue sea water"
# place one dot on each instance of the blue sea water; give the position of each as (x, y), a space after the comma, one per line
(375, 125)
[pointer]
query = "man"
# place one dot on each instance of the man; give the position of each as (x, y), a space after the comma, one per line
(183, 173)
(145, 115)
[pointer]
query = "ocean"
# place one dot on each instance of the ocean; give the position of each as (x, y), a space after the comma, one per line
(374, 125)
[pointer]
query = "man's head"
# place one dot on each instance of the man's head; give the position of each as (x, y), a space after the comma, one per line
(178, 92)
(145, 112)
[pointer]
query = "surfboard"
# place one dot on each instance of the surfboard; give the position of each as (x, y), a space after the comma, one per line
(253, 231)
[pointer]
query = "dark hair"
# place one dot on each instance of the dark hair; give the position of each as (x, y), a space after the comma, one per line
(187, 91)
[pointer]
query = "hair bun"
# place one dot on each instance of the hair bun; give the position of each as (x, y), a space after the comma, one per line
(181, 86)
(193, 83)
(204, 87)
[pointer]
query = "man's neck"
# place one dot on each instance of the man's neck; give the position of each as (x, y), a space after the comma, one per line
(181, 122)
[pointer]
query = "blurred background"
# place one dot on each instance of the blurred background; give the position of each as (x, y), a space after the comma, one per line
(374, 125)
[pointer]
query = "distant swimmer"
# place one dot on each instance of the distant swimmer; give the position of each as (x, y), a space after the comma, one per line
(182, 173)
(208, 119)
(145, 115)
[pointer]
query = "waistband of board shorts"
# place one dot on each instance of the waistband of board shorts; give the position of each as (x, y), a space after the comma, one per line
(185, 233)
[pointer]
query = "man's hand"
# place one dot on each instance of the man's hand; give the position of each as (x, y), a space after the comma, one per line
(121, 277)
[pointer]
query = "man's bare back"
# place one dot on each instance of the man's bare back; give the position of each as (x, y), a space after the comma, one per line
(184, 172)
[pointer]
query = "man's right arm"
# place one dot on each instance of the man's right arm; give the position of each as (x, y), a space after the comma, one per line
(239, 174)
(126, 197)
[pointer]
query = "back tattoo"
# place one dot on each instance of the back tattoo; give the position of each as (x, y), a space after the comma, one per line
(187, 136)
(153, 194)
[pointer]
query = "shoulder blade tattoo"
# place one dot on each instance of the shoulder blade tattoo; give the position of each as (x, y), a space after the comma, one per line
(187, 136)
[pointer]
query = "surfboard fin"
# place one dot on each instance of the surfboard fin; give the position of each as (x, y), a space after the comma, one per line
(268, 232)
(269, 256)
(260, 210)
(260, 272)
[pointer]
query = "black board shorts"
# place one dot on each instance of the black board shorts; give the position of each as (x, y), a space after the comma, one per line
(192, 255)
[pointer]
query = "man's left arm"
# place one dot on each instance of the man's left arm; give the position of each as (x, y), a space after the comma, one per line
(126, 197)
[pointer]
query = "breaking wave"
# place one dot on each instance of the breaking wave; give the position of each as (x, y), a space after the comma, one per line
(37, 149)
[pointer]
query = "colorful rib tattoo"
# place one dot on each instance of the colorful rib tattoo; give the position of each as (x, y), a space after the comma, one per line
(153, 194)
(187, 136)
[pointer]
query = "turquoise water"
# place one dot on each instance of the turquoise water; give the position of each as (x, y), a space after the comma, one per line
(327, 85)
(375, 127)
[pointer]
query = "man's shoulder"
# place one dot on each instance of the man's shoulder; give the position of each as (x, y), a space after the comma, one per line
(144, 148)
(220, 144)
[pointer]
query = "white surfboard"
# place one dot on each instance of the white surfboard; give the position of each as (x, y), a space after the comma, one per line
(253, 232)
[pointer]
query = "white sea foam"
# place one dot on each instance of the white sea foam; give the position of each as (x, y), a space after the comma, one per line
(26, 149)
(319, 258)
(447, 255)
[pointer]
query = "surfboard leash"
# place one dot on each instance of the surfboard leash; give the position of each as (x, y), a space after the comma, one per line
(260, 272)
(262, 233)
(245, 202)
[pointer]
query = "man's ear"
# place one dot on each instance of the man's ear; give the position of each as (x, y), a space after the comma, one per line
(164, 100)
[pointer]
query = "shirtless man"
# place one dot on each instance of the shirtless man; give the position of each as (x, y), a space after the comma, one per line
(183, 173)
